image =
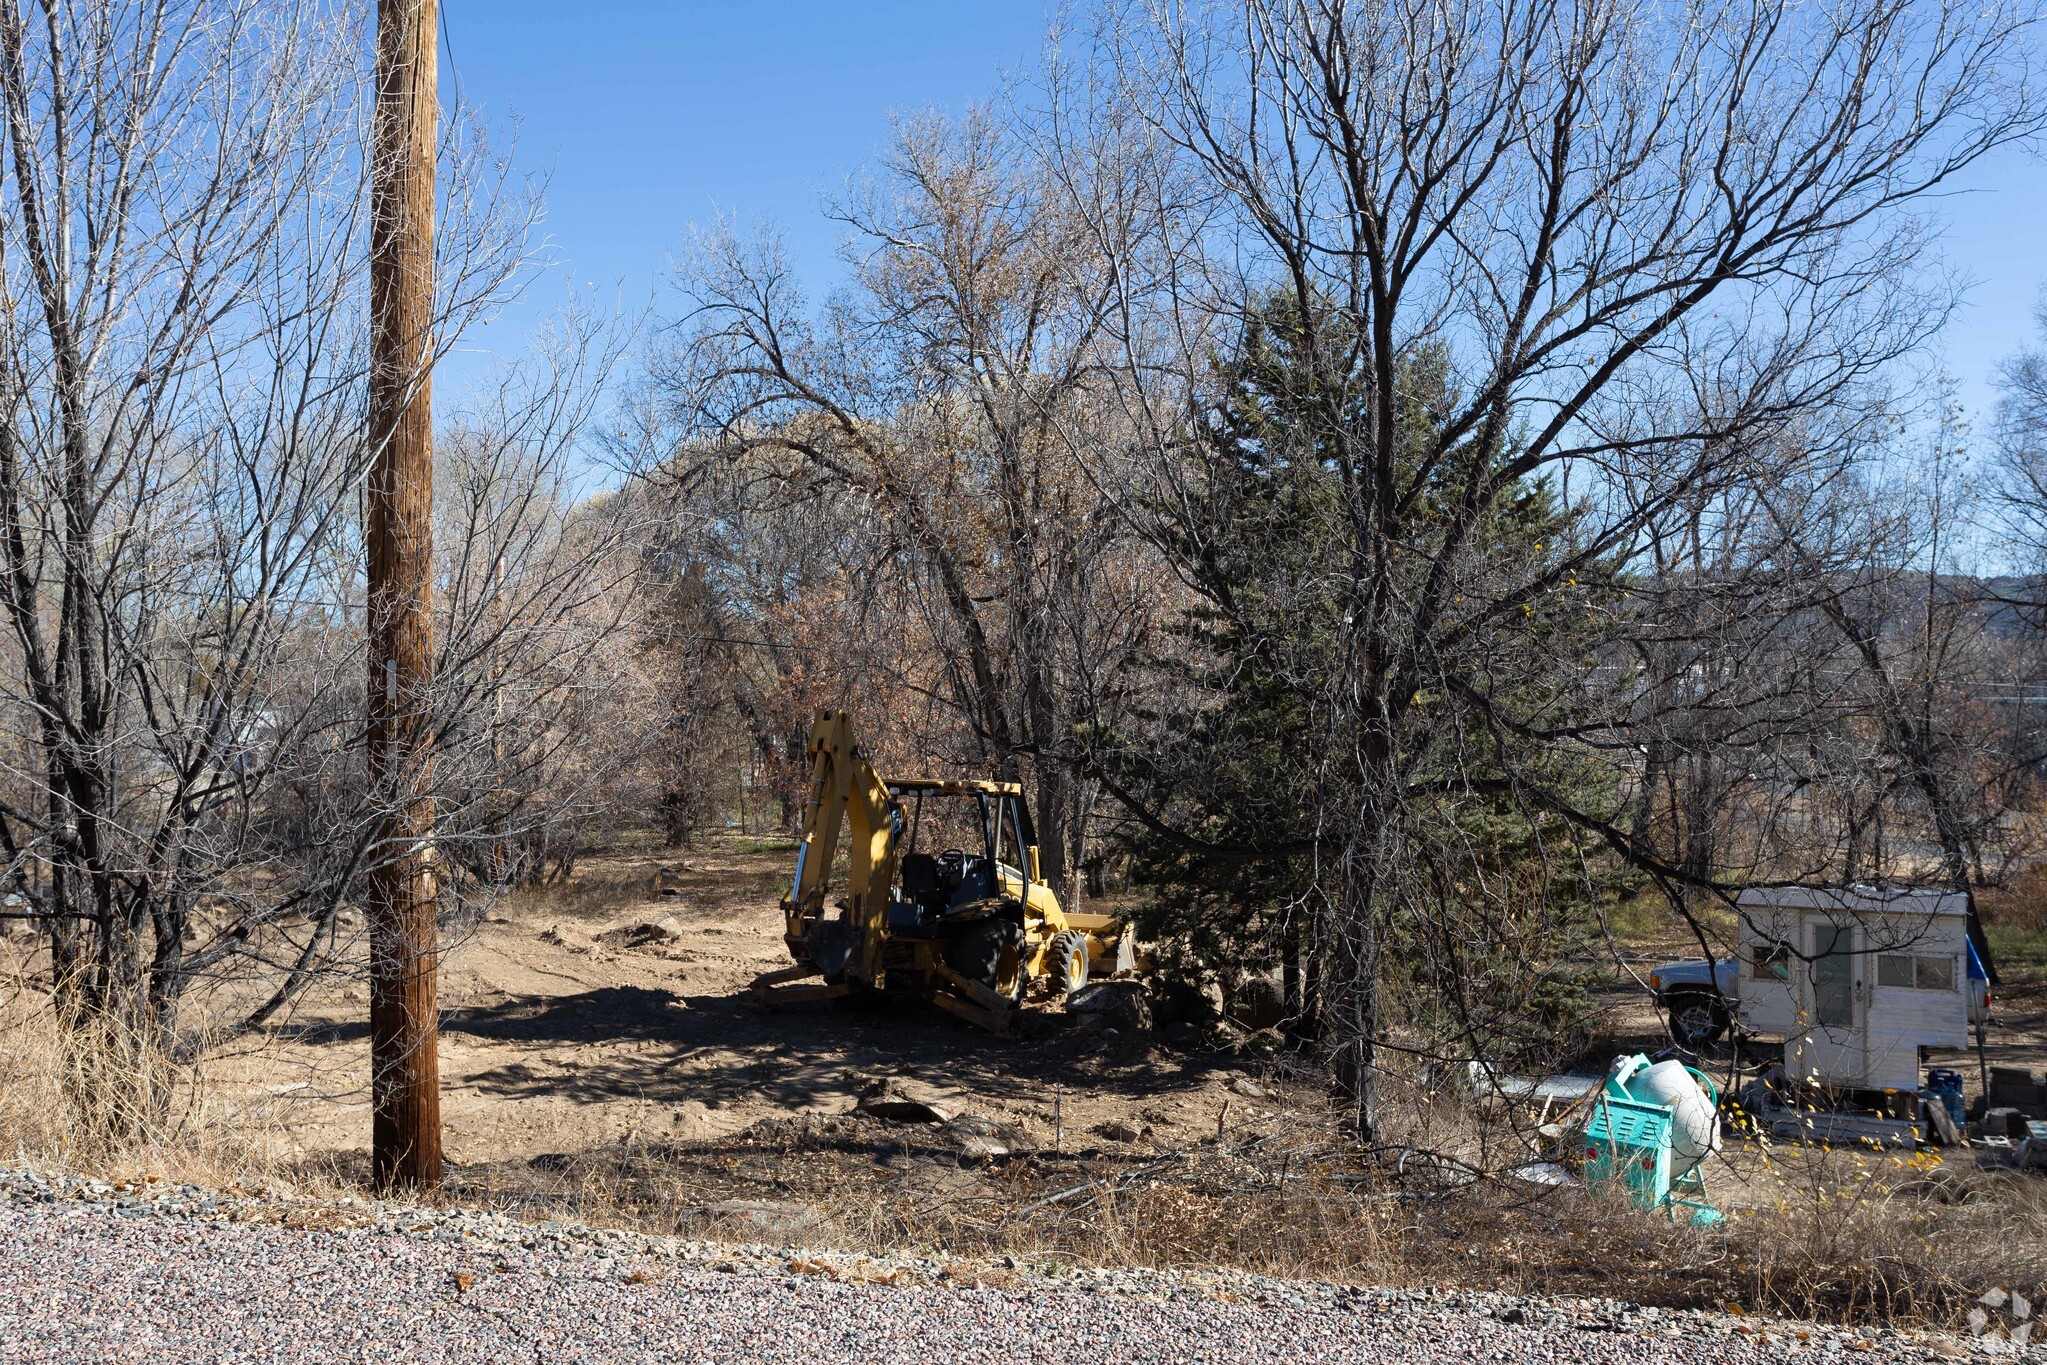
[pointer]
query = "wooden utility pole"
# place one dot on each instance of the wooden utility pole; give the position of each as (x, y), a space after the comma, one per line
(404, 1029)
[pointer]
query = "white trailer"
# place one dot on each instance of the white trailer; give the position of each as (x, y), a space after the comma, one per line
(1858, 981)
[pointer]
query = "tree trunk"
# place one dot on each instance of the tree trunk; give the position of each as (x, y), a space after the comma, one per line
(1352, 1008)
(1292, 985)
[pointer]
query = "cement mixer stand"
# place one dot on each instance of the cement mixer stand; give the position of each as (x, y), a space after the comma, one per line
(1642, 1139)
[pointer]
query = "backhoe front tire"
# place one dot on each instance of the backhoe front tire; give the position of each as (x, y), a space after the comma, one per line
(990, 952)
(1066, 963)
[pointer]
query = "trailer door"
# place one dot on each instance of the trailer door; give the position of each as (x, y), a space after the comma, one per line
(1833, 1050)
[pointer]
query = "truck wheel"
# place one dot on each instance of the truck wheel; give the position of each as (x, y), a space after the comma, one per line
(1066, 963)
(1696, 1018)
(990, 952)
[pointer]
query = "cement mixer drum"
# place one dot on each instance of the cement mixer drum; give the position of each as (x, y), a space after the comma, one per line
(1695, 1122)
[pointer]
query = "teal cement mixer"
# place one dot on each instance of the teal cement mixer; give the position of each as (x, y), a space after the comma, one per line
(1652, 1127)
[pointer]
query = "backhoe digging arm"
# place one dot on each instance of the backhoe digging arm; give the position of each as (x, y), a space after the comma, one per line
(846, 795)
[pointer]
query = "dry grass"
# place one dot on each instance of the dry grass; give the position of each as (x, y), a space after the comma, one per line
(2015, 918)
(888, 1189)
(1869, 1236)
(1849, 1236)
(94, 1102)
(591, 896)
(2021, 904)
(1852, 1237)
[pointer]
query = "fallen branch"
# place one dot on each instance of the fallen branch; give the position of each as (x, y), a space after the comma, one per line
(1099, 1186)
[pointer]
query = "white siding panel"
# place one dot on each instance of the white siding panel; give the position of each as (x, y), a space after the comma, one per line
(1768, 1006)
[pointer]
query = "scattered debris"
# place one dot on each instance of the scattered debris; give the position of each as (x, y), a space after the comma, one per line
(554, 934)
(1540, 1173)
(641, 932)
(979, 1151)
(974, 1125)
(1841, 1129)
(899, 1100)
(2005, 1122)
(2026, 1147)
(1116, 1130)
(1113, 1004)
(982, 1140)
(2014, 1087)
(1545, 1097)
(980, 1125)
(1943, 1124)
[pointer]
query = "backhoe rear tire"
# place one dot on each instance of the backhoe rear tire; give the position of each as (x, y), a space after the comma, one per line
(1066, 963)
(990, 952)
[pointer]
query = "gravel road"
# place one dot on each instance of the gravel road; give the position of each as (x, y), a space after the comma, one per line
(94, 1272)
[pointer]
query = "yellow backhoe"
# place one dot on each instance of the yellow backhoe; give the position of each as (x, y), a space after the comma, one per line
(969, 926)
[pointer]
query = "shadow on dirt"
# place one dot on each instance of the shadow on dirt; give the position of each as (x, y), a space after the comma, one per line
(723, 1049)
(657, 1045)
(606, 1014)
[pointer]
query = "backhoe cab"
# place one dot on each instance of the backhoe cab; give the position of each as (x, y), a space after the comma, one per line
(943, 899)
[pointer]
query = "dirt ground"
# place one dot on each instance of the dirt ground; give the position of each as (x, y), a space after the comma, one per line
(560, 1040)
(556, 1039)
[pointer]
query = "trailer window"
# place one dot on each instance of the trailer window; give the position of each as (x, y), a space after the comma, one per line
(1770, 961)
(1935, 973)
(1915, 973)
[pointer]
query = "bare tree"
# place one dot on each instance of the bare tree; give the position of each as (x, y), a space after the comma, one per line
(1648, 240)
(159, 159)
(1917, 636)
(181, 465)
(938, 393)
(535, 711)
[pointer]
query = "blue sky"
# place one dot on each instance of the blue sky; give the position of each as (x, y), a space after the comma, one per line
(646, 116)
